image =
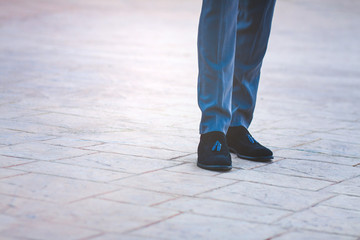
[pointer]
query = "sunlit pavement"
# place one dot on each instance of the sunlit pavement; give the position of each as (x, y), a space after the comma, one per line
(99, 125)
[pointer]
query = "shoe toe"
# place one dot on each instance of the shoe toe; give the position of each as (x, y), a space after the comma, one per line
(216, 160)
(261, 152)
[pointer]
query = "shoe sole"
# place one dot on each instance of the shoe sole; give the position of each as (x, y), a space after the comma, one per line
(256, 159)
(215, 167)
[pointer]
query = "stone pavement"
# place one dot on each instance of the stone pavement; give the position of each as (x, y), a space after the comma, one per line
(99, 125)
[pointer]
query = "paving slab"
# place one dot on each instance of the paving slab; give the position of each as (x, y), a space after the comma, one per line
(120, 162)
(114, 236)
(52, 188)
(298, 235)
(68, 142)
(336, 148)
(174, 183)
(268, 196)
(5, 173)
(25, 208)
(275, 179)
(348, 187)
(45, 230)
(9, 137)
(42, 151)
(71, 171)
(345, 202)
(189, 226)
(318, 157)
(317, 170)
(120, 217)
(138, 196)
(11, 161)
(138, 151)
(216, 208)
(317, 218)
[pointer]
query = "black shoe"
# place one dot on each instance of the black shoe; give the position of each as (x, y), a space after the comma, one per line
(245, 146)
(213, 152)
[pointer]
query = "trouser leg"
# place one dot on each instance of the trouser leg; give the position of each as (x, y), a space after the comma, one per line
(253, 29)
(216, 54)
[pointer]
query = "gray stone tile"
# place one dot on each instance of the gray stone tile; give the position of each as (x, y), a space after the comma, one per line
(343, 201)
(189, 158)
(32, 127)
(267, 196)
(8, 111)
(16, 137)
(289, 132)
(5, 173)
(5, 132)
(137, 196)
(325, 219)
(280, 141)
(119, 162)
(42, 151)
(12, 161)
(13, 238)
(103, 135)
(34, 229)
(345, 137)
(64, 120)
(51, 188)
(343, 189)
(71, 142)
(221, 209)
(120, 217)
(190, 226)
(335, 148)
(114, 236)
(138, 151)
(313, 156)
(276, 179)
(173, 182)
(299, 235)
(71, 171)
(246, 164)
(6, 222)
(23, 208)
(168, 140)
(74, 110)
(304, 168)
(310, 125)
(350, 187)
(342, 114)
(191, 168)
(347, 134)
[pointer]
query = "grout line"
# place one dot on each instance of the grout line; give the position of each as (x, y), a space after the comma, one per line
(304, 209)
(93, 236)
(92, 196)
(153, 223)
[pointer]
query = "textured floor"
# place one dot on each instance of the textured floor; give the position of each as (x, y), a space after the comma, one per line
(99, 125)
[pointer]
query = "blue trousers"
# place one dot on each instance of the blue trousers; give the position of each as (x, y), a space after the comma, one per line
(232, 41)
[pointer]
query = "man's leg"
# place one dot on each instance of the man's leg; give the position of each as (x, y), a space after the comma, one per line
(253, 29)
(216, 54)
